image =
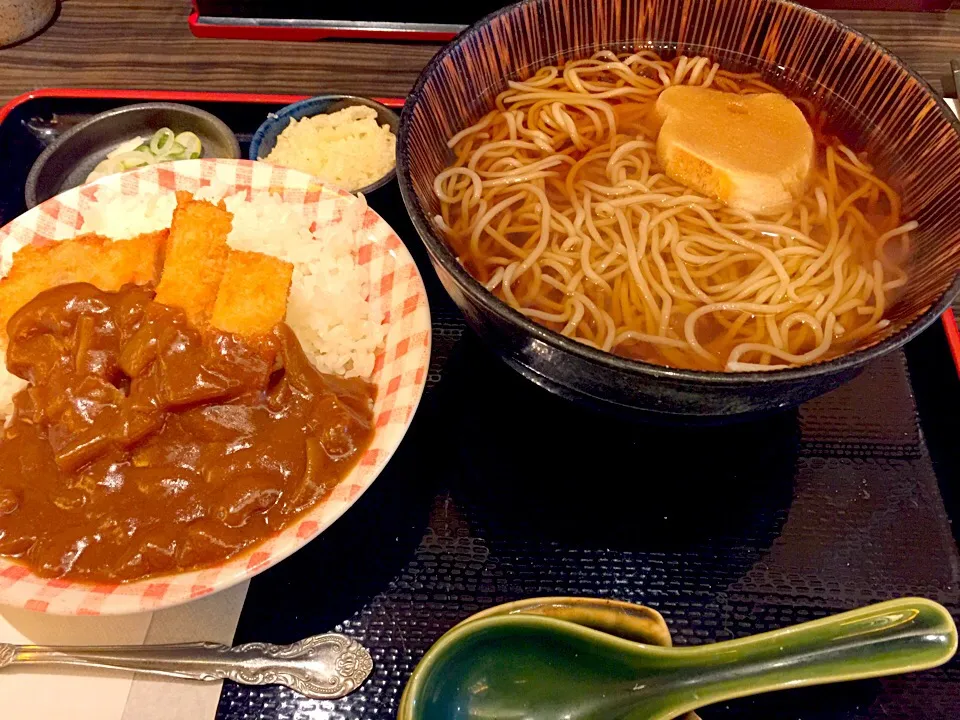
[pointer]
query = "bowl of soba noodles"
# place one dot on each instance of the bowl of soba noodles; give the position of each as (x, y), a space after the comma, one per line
(704, 209)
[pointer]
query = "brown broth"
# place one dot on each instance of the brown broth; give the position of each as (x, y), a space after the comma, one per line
(805, 283)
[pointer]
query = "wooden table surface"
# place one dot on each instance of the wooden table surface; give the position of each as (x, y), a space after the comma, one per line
(147, 44)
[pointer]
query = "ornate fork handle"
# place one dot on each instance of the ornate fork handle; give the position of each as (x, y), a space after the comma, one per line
(322, 667)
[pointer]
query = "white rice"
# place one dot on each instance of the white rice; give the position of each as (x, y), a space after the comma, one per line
(115, 215)
(328, 308)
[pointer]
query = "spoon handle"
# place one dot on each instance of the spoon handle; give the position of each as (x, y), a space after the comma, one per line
(892, 637)
(322, 667)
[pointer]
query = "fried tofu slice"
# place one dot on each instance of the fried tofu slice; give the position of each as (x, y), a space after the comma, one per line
(107, 264)
(252, 297)
(196, 255)
(753, 152)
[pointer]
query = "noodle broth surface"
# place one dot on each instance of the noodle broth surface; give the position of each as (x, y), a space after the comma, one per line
(556, 203)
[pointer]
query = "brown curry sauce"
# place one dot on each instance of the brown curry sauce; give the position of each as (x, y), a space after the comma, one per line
(145, 446)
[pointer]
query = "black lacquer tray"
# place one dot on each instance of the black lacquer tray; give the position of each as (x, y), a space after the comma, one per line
(501, 491)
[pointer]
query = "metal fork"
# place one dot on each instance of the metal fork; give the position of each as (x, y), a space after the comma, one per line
(323, 667)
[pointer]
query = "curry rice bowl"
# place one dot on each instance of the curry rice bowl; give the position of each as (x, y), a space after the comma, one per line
(328, 308)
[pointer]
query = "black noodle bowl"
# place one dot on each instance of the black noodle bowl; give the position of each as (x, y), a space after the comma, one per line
(913, 134)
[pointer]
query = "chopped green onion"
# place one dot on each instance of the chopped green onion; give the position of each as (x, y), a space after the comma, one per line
(162, 146)
(190, 143)
(161, 140)
(130, 160)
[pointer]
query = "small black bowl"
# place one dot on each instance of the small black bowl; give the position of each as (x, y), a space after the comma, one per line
(68, 162)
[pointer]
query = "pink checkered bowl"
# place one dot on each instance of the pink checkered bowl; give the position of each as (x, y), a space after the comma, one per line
(398, 297)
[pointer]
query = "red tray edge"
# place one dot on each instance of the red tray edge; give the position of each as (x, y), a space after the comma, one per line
(952, 330)
(201, 29)
(169, 95)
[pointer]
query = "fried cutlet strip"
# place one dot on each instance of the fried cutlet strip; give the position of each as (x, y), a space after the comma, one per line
(107, 264)
(253, 294)
(121, 262)
(196, 254)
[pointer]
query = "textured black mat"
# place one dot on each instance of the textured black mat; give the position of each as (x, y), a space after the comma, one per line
(748, 529)
(502, 492)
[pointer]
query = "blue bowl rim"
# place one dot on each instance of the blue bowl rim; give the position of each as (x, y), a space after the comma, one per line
(442, 254)
(289, 111)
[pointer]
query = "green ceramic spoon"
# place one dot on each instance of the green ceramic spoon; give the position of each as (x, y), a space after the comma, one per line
(525, 666)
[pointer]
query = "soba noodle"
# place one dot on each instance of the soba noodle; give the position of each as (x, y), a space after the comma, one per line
(557, 204)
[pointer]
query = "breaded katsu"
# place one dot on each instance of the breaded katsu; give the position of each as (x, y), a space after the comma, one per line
(191, 266)
(195, 259)
(107, 264)
(253, 292)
